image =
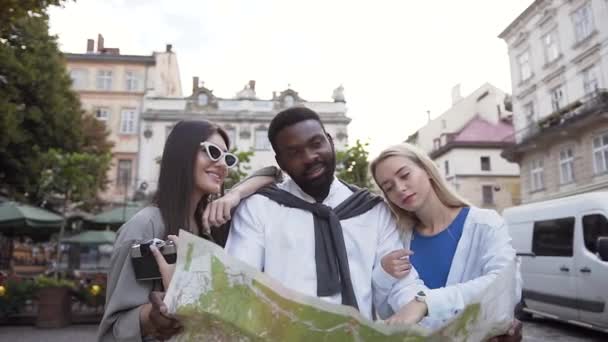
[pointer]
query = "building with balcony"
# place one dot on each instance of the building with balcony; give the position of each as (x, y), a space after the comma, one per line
(245, 117)
(466, 143)
(558, 53)
(111, 87)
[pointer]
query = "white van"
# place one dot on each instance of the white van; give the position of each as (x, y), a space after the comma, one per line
(563, 246)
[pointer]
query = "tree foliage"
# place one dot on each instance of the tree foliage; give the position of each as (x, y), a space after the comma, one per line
(353, 166)
(38, 110)
(95, 135)
(73, 176)
(15, 10)
(241, 170)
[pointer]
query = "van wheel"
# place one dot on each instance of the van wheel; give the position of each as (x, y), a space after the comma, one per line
(520, 314)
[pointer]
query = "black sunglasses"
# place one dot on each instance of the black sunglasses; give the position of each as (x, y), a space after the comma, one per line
(215, 153)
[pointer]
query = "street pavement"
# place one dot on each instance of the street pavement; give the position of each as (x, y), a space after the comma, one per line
(540, 329)
(73, 333)
(536, 330)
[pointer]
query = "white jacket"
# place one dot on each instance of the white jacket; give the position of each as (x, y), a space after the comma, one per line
(483, 251)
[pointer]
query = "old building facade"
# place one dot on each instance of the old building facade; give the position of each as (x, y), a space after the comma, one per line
(245, 117)
(112, 87)
(466, 143)
(558, 53)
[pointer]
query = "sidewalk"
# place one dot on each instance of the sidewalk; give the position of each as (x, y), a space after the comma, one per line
(537, 330)
(28, 333)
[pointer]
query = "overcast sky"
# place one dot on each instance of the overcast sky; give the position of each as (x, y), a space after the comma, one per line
(396, 59)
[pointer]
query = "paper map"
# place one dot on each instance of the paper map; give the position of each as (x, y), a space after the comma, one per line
(219, 298)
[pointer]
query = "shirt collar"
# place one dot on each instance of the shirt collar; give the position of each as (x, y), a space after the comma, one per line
(295, 189)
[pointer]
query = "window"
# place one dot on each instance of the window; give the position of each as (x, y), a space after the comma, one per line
(536, 175)
(551, 46)
(600, 153)
(557, 98)
(203, 99)
(102, 114)
(594, 226)
(123, 179)
(583, 22)
(128, 124)
(436, 143)
(104, 80)
(590, 80)
(487, 192)
(288, 101)
(525, 71)
(261, 140)
(446, 165)
(231, 132)
(530, 118)
(132, 81)
(553, 237)
(80, 78)
(566, 166)
(485, 164)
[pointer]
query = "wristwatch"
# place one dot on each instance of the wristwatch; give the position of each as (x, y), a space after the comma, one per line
(420, 297)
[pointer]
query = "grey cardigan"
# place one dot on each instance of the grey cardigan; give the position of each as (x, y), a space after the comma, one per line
(124, 294)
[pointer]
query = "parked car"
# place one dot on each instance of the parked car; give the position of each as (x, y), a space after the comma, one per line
(563, 246)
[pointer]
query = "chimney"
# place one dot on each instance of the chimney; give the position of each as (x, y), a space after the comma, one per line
(90, 45)
(194, 84)
(252, 84)
(100, 43)
(456, 97)
(168, 47)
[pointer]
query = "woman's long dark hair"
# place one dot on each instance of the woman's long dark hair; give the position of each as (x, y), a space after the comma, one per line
(176, 177)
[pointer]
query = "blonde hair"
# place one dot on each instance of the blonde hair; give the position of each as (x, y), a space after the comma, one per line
(446, 194)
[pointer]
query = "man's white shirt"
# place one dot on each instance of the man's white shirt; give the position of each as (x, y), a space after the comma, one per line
(280, 242)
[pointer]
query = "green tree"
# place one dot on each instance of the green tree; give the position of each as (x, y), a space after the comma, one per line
(38, 110)
(96, 141)
(352, 165)
(14, 10)
(72, 176)
(241, 170)
(95, 135)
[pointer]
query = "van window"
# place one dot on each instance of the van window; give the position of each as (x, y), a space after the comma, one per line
(594, 226)
(553, 237)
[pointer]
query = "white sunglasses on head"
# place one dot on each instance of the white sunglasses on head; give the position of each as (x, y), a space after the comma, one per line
(215, 153)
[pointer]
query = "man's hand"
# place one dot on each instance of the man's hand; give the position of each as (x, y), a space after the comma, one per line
(513, 335)
(164, 326)
(397, 263)
(166, 269)
(218, 212)
(412, 313)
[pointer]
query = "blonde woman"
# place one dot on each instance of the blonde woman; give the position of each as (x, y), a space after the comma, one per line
(456, 248)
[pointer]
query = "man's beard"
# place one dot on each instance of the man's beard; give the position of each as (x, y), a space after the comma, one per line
(319, 187)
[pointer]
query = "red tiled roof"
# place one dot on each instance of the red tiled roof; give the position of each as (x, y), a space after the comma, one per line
(480, 130)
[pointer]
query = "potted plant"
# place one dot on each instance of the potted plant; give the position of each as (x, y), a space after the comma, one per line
(91, 294)
(14, 294)
(54, 302)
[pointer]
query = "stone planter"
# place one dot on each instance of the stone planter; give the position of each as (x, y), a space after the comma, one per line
(54, 307)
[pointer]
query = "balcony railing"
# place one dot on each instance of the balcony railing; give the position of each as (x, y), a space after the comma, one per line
(595, 102)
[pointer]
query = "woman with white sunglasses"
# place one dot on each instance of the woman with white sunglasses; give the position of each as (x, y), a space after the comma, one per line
(194, 164)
